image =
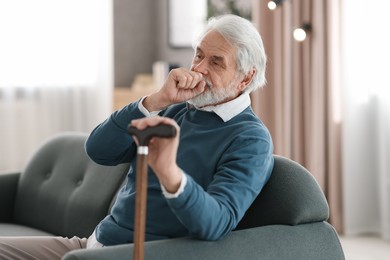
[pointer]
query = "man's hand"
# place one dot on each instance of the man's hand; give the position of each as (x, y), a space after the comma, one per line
(162, 153)
(181, 85)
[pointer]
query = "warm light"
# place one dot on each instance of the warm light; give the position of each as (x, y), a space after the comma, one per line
(299, 34)
(272, 5)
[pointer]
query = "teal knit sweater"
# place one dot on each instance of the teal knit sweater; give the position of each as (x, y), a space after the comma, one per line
(226, 164)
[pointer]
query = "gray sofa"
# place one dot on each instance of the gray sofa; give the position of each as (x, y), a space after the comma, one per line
(61, 192)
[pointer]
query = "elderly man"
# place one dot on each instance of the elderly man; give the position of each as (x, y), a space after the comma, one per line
(202, 181)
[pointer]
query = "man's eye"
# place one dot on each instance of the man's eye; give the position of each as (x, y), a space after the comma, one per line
(216, 63)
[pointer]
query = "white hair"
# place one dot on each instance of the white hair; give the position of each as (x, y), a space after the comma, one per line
(245, 38)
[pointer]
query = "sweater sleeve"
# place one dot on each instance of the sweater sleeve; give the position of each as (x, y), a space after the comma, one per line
(242, 172)
(110, 142)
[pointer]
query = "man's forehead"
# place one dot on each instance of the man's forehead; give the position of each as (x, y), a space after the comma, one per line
(210, 51)
(214, 44)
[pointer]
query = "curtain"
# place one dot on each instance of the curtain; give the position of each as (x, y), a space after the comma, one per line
(55, 72)
(366, 143)
(301, 101)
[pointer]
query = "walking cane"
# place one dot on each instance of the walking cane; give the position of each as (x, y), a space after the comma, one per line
(143, 137)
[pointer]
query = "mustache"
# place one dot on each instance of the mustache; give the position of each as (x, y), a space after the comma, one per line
(208, 83)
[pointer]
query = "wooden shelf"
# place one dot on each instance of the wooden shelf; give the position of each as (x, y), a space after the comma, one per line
(142, 86)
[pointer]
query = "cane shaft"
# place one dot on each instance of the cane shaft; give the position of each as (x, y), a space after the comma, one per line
(140, 206)
(143, 136)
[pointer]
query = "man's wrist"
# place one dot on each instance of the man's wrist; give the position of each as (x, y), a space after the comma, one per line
(171, 195)
(153, 103)
(172, 181)
(145, 111)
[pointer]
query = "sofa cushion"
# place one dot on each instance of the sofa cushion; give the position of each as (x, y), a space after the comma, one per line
(11, 230)
(62, 191)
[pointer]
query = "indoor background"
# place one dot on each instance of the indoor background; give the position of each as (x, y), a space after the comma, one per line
(66, 65)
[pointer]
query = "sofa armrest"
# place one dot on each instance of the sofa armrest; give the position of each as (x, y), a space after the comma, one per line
(291, 196)
(307, 241)
(8, 189)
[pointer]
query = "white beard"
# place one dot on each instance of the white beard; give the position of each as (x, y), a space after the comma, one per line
(211, 95)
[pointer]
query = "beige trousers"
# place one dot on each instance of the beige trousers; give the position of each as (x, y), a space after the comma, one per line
(42, 248)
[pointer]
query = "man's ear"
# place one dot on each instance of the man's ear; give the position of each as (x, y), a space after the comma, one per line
(247, 79)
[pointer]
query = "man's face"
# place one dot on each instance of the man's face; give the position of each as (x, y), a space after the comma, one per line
(215, 59)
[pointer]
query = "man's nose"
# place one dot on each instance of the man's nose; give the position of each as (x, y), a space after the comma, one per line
(200, 67)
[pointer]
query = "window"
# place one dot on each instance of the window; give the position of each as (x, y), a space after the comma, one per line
(50, 42)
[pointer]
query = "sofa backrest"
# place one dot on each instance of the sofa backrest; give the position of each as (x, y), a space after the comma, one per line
(61, 191)
(291, 196)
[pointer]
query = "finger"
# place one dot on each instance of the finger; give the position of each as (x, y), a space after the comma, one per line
(181, 81)
(181, 77)
(200, 87)
(197, 78)
(188, 79)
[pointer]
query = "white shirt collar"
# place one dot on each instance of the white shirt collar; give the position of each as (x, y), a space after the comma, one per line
(230, 109)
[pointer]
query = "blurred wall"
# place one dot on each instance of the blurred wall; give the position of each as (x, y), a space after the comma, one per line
(141, 38)
(181, 56)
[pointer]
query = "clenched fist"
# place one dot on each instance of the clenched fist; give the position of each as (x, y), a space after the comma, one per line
(181, 85)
